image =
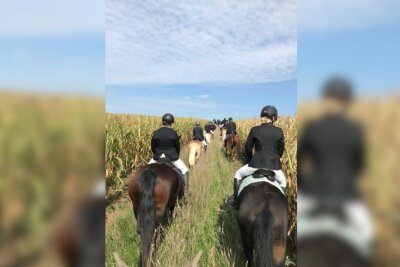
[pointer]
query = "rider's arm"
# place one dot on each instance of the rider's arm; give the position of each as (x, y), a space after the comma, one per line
(153, 144)
(281, 144)
(248, 149)
(177, 144)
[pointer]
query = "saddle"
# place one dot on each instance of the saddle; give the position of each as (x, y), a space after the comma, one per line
(168, 162)
(260, 175)
(264, 173)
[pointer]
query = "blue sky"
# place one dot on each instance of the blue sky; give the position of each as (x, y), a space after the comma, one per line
(58, 46)
(219, 58)
(356, 39)
(67, 64)
(52, 46)
(202, 100)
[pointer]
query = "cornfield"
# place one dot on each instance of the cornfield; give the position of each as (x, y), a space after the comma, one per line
(289, 163)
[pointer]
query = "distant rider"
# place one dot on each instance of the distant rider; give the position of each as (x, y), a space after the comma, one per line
(208, 128)
(165, 144)
(269, 144)
(198, 134)
(230, 129)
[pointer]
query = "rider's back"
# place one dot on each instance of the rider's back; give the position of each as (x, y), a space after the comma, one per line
(335, 147)
(198, 133)
(268, 141)
(165, 141)
(231, 127)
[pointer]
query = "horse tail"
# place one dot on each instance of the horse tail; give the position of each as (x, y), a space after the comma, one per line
(263, 239)
(192, 154)
(146, 221)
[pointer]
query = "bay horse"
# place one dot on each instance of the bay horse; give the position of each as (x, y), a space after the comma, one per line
(326, 250)
(154, 191)
(195, 148)
(232, 145)
(263, 223)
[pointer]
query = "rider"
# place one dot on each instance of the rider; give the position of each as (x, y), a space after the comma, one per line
(208, 128)
(333, 145)
(230, 129)
(269, 144)
(165, 144)
(198, 134)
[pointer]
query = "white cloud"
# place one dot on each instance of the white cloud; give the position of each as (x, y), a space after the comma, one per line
(202, 96)
(199, 41)
(331, 15)
(50, 16)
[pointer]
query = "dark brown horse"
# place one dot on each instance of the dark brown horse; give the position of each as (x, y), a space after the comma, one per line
(154, 190)
(232, 145)
(263, 224)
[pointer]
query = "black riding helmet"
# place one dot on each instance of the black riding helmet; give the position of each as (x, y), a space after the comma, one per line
(338, 88)
(168, 118)
(269, 112)
(230, 119)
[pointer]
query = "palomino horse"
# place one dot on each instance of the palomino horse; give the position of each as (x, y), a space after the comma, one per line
(223, 133)
(208, 137)
(195, 148)
(153, 190)
(263, 223)
(232, 145)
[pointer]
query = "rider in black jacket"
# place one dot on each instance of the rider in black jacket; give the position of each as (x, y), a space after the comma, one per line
(230, 129)
(198, 134)
(165, 144)
(269, 144)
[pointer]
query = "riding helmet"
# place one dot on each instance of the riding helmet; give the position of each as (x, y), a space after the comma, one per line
(168, 118)
(230, 118)
(269, 111)
(338, 88)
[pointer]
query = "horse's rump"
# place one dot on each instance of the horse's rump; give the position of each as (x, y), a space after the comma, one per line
(263, 223)
(195, 148)
(168, 187)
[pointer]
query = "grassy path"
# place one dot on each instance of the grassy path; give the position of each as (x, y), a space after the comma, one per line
(204, 222)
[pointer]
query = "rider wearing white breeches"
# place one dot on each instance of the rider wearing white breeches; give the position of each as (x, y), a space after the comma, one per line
(269, 144)
(246, 170)
(165, 144)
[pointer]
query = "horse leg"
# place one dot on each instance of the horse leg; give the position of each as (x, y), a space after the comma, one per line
(247, 249)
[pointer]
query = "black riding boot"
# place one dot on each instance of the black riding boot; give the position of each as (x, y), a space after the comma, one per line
(233, 200)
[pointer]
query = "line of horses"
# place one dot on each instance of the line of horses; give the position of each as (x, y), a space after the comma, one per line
(262, 217)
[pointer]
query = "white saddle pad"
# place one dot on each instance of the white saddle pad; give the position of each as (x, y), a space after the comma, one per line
(251, 180)
(308, 227)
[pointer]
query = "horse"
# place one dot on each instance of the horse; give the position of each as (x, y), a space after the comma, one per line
(232, 145)
(208, 137)
(325, 250)
(263, 223)
(154, 191)
(223, 133)
(195, 148)
(327, 238)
